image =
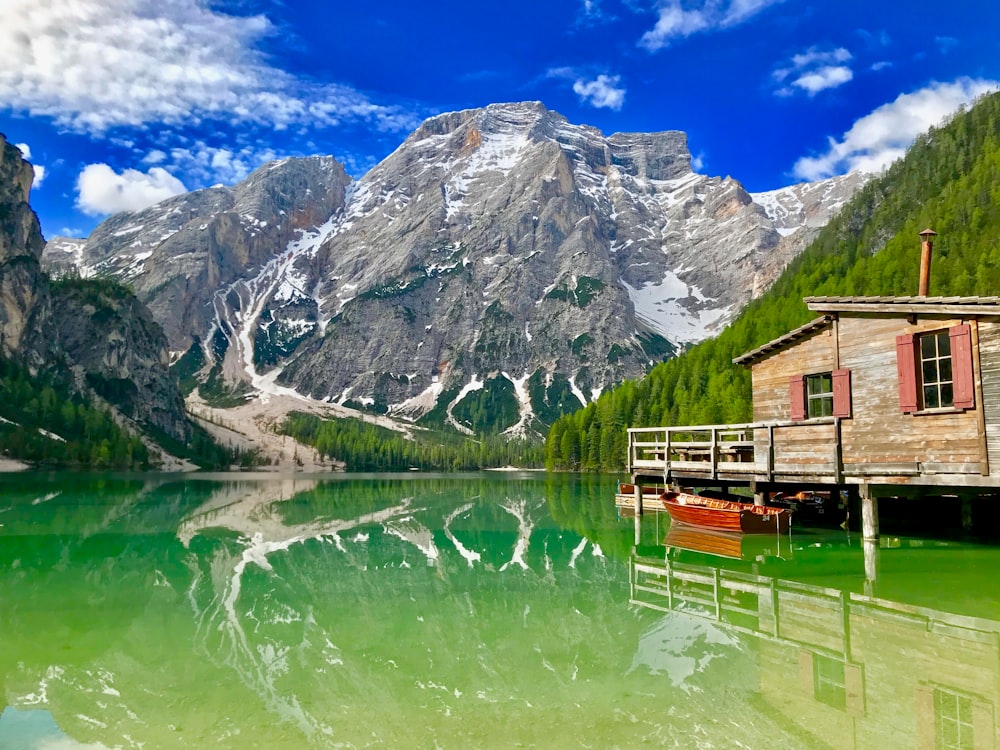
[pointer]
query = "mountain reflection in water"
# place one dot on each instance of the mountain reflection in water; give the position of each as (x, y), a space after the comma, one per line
(463, 611)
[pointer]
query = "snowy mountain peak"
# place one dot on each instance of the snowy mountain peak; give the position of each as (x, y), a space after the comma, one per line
(494, 269)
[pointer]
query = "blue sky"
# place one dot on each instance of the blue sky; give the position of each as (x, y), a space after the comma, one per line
(124, 102)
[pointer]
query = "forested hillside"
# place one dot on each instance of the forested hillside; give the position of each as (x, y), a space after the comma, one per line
(949, 180)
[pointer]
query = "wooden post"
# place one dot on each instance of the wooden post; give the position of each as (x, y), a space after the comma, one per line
(872, 553)
(758, 495)
(869, 513)
(838, 453)
(714, 455)
(770, 452)
(637, 505)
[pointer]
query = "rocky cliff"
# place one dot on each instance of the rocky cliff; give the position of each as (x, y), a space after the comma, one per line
(23, 286)
(118, 350)
(501, 260)
(95, 335)
(179, 255)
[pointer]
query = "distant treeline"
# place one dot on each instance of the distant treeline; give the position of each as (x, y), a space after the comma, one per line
(367, 447)
(949, 180)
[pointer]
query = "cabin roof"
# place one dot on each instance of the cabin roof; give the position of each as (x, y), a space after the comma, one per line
(762, 352)
(830, 306)
(906, 305)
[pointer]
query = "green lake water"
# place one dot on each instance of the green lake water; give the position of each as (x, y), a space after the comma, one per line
(470, 611)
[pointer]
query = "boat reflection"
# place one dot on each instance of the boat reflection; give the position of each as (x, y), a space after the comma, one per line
(867, 662)
(733, 545)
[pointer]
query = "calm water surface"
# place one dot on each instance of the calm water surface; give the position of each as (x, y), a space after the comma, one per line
(470, 611)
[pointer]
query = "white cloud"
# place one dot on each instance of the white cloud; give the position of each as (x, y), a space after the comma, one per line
(156, 156)
(39, 170)
(591, 12)
(39, 176)
(676, 21)
(602, 92)
(814, 56)
(813, 71)
(93, 65)
(103, 191)
(827, 77)
(879, 138)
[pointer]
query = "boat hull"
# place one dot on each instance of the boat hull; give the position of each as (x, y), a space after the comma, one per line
(724, 515)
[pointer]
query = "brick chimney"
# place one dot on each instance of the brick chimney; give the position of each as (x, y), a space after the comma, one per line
(926, 245)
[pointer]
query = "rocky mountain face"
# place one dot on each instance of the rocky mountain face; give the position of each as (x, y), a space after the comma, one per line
(96, 333)
(798, 213)
(119, 351)
(184, 253)
(501, 266)
(23, 286)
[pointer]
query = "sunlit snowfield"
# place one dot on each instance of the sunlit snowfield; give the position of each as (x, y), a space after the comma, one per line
(467, 611)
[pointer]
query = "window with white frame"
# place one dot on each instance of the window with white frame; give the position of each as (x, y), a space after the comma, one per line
(936, 378)
(819, 395)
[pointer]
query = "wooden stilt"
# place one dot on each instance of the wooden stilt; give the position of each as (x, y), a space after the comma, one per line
(872, 553)
(869, 513)
(966, 513)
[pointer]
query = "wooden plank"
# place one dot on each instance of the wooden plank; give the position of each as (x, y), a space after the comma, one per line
(935, 467)
(902, 309)
(901, 467)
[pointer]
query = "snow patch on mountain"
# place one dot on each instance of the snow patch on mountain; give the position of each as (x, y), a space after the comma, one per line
(666, 308)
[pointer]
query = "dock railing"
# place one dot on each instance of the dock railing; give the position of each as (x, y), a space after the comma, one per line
(758, 449)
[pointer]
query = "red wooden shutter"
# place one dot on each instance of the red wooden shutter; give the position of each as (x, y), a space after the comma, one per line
(842, 393)
(961, 366)
(797, 396)
(906, 367)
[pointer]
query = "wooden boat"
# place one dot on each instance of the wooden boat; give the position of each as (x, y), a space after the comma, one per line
(725, 515)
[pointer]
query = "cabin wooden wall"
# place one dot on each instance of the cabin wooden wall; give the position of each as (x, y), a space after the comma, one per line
(878, 432)
(770, 376)
(989, 362)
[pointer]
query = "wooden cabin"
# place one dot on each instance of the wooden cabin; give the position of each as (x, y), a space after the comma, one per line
(883, 395)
